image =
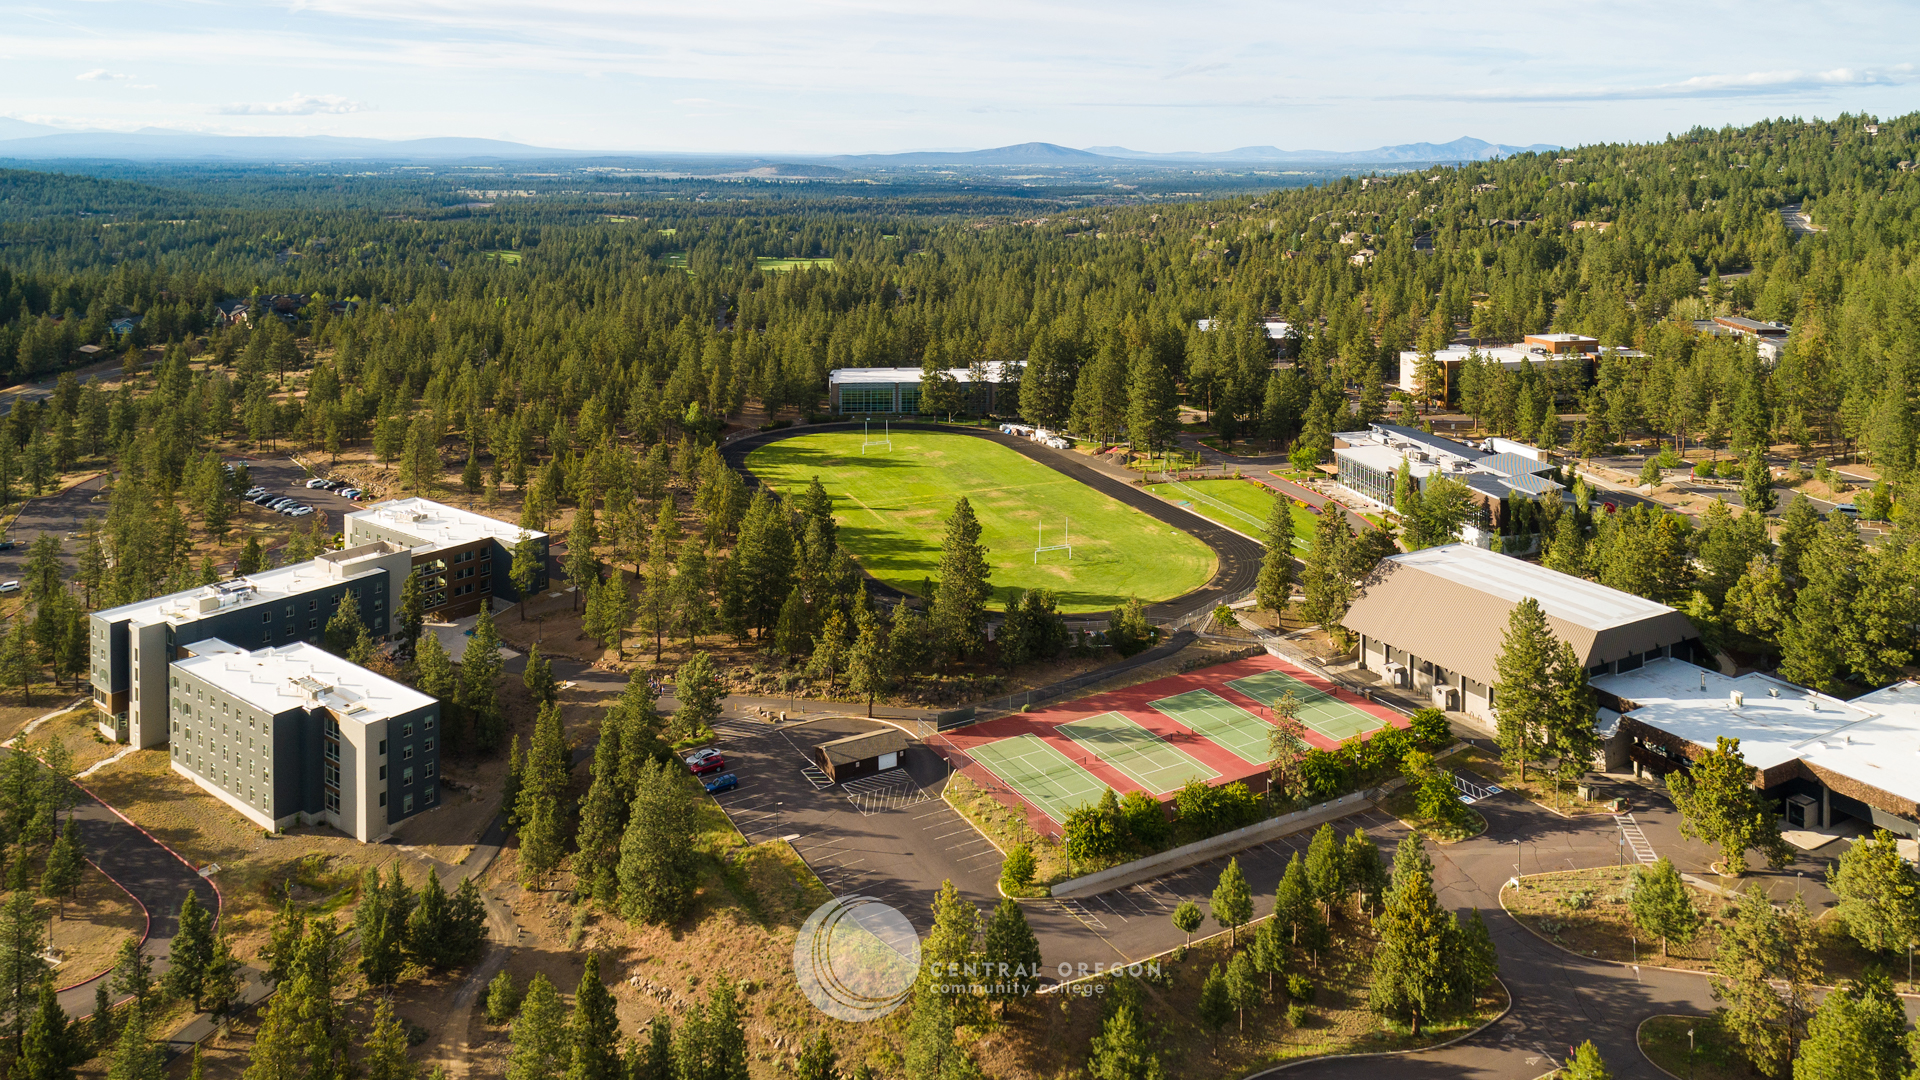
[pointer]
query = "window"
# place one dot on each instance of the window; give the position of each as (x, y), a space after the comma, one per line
(312, 604)
(430, 769)
(383, 747)
(289, 611)
(406, 731)
(406, 806)
(429, 723)
(383, 798)
(406, 753)
(427, 747)
(383, 772)
(406, 778)
(429, 796)
(333, 802)
(313, 624)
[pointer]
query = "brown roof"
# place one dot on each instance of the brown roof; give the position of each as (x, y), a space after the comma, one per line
(1450, 606)
(863, 746)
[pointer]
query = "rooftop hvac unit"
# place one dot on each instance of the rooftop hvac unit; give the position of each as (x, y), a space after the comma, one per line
(1737, 698)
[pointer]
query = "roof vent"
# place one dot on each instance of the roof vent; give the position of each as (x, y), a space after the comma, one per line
(1773, 691)
(1813, 704)
(1703, 678)
(1737, 698)
(1847, 738)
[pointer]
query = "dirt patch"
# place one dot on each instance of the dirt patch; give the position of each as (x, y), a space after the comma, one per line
(1585, 911)
(79, 731)
(1537, 787)
(89, 928)
(1005, 828)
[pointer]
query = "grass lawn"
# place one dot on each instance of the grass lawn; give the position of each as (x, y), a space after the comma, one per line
(1243, 499)
(775, 266)
(504, 256)
(1714, 1056)
(893, 506)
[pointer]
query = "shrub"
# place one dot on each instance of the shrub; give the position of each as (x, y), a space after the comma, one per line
(1300, 989)
(1016, 873)
(503, 999)
(1297, 1015)
(1430, 729)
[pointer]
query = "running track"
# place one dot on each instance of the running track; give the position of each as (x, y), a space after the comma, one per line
(1238, 557)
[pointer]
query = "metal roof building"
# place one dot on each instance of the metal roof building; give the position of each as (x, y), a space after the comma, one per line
(860, 391)
(1433, 621)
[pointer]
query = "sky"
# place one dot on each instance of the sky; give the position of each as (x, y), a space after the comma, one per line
(873, 76)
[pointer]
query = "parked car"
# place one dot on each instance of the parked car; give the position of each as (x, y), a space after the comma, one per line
(9, 586)
(280, 503)
(298, 511)
(706, 761)
(6, 545)
(719, 784)
(255, 492)
(1849, 509)
(316, 482)
(350, 493)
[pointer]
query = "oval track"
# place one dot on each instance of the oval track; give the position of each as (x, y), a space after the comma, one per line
(1238, 565)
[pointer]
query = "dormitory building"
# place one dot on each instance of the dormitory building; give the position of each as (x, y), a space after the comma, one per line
(316, 745)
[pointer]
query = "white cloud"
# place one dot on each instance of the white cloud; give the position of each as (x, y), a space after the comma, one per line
(101, 75)
(297, 105)
(1752, 84)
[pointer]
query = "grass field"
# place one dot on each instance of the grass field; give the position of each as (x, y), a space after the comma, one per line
(504, 256)
(1240, 505)
(775, 266)
(893, 507)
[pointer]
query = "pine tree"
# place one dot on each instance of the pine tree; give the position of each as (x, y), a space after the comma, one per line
(511, 784)
(345, 627)
(1153, 402)
(953, 940)
(22, 941)
(1275, 586)
(220, 985)
(1858, 1033)
(1216, 1006)
(1719, 805)
(657, 871)
(503, 998)
(594, 1029)
(538, 679)
(1879, 893)
(818, 1061)
(1268, 950)
(1327, 578)
(480, 667)
(1232, 901)
(135, 1057)
(1523, 696)
(1122, 1051)
(714, 1048)
(1327, 868)
(413, 612)
(539, 1049)
(1413, 961)
(1293, 906)
(932, 1052)
(699, 691)
(49, 1050)
(66, 863)
(386, 1047)
(542, 805)
(100, 1021)
(603, 815)
(653, 1061)
(428, 925)
(1765, 967)
(466, 925)
(1661, 905)
(869, 664)
(1187, 918)
(960, 603)
(1365, 874)
(1242, 988)
(381, 930)
(190, 953)
(1009, 941)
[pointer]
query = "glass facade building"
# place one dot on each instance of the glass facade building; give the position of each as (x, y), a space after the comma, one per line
(1364, 479)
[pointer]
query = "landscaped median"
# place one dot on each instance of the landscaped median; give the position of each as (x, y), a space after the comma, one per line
(1694, 1047)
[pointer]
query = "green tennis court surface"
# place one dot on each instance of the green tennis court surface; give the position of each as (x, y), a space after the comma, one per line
(1152, 762)
(1041, 775)
(1318, 709)
(1233, 728)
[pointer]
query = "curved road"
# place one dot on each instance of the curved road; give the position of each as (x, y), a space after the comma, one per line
(158, 880)
(1238, 565)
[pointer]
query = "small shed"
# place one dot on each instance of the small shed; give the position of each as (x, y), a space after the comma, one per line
(861, 755)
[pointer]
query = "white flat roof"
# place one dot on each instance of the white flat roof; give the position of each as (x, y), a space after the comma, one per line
(437, 525)
(261, 588)
(1874, 739)
(301, 676)
(1384, 459)
(1563, 596)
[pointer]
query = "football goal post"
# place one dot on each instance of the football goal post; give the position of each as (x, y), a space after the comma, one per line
(1040, 544)
(885, 439)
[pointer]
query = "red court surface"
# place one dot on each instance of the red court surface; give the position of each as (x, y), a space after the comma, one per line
(1135, 702)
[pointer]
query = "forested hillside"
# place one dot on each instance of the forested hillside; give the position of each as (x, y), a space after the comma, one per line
(523, 331)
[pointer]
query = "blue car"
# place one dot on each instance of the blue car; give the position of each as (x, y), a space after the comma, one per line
(722, 783)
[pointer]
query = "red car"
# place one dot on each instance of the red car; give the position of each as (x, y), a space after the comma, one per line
(705, 761)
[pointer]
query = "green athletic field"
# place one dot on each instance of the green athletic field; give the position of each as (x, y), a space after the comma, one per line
(1240, 505)
(1236, 730)
(1318, 709)
(1042, 775)
(1150, 761)
(893, 507)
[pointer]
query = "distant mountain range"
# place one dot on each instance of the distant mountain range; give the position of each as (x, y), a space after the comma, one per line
(20, 140)
(1462, 149)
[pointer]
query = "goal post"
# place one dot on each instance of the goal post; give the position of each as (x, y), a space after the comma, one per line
(885, 439)
(1041, 546)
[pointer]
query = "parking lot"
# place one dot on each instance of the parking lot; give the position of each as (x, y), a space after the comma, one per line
(892, 837)
(282, 477)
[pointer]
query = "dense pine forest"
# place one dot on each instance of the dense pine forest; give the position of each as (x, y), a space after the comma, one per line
(575, 338)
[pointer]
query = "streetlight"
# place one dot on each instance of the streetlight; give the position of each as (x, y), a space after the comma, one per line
(1689, 1054)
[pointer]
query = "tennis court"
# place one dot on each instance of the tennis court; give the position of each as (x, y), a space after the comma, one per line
(1233, 728)
(1043, 776)
(1146, 758)
(1318, 709)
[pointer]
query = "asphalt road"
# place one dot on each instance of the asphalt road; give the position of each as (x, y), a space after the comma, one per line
(1238, 558)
